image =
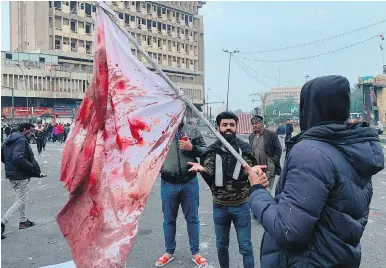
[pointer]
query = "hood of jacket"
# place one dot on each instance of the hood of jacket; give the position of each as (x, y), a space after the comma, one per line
(324, 99)
(14, 137)
(358, 143)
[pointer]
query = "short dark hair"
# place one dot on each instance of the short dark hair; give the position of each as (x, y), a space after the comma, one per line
(226, 115)
(24, 126)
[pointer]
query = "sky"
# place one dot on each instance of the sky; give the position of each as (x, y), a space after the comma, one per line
(254, 26)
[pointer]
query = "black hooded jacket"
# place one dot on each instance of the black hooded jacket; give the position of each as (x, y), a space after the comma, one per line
(18, 158)
(323, 196)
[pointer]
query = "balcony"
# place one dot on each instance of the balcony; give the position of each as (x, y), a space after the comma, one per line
(66, 9)
(164, 48)
(144, 44)
(164, 32)
(66, 48)
(66, 29)
(154, 30)
(81, 50)
(133, 25)
(164, 17)
(154, 14)
(174, 64)
(120, 4)
(164, 62)
(174, 34)
(143, 27)
(174, 50)
(81, 13)
(81, 31)
(155, 46)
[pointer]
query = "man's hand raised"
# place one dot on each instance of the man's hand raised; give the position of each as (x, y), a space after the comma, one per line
(196, 167)
(256, 175)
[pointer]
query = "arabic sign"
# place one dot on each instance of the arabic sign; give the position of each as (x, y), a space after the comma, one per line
(64, 109)
(366, 80)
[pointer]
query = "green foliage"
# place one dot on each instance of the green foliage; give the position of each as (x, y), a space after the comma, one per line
(356, 100)
(285, 107)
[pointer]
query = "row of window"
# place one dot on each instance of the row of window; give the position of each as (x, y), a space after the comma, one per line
(138, 6)
(47, 83)
(44, 83)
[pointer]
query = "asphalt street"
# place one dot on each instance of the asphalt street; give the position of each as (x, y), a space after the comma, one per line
(44, 245)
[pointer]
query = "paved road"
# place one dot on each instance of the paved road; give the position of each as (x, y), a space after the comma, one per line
(44, 245)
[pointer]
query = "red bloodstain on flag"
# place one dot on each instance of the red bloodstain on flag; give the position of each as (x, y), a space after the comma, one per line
(114, 151)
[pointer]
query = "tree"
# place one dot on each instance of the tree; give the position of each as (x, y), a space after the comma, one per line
(356, 99)
(289, 106)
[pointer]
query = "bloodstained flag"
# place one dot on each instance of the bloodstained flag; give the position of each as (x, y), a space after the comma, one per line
(114, 151)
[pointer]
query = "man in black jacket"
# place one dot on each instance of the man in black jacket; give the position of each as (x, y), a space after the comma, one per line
(267, 149)
(20, 166)
(230, 186)
(40, 136)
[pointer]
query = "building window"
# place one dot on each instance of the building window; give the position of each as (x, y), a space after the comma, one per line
(49, 4)
(58, 4)
(88, 10)
(88, 28)
(42, 60)
(8, 56)
(94, 9)
(73, 26)
(120, 15)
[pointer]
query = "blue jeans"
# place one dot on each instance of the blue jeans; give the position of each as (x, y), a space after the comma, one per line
(188, 196)
(241, 217)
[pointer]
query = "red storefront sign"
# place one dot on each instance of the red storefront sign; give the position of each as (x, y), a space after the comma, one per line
(23, 111)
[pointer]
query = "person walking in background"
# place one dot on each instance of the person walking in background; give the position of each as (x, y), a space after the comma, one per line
(54, 133)
(323, 197)
(49, 132)
(179, 187)
(20, 166)
(281, 133)
(229, 184)
(66, 130)
(60, 132)
(289, 128)
(266, 148)
(40, 136)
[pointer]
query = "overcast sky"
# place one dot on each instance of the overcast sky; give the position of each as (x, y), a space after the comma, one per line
(253, 26)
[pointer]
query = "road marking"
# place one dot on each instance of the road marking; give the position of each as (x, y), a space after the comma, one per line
(69, 264)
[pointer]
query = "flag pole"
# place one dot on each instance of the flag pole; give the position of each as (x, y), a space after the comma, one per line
(189, 103)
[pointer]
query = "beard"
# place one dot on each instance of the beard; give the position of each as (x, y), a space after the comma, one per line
(228, 135)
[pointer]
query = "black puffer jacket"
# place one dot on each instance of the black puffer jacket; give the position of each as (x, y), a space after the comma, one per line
(18, 158)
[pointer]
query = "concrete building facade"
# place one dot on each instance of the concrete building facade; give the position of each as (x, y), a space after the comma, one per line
(170, 31)
(284, 93)
(374, 98)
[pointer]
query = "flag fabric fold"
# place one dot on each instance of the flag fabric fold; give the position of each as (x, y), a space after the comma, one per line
(114, 151)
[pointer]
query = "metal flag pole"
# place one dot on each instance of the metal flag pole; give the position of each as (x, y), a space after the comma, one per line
(113, 16)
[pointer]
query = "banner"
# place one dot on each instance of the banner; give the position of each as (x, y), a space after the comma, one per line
(120, 138)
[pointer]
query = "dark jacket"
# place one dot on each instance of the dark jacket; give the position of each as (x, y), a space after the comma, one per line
(323, 196)
(272, 147)
(175, 167)
(281, 130)
(18, 158)
(233, 192)
(289, 128)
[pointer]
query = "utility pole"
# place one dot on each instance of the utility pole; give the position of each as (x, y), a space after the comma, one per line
(207, 102)
(263, 98)
(307, 76)
(229, 71)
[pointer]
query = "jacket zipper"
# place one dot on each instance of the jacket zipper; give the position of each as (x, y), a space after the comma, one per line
(179, 157)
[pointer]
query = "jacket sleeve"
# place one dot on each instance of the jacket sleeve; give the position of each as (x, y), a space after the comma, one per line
(2, 153)
(308, 180)
(18, 156)
(209, 164)
(251, 160)
(276, 148)
(199, 145)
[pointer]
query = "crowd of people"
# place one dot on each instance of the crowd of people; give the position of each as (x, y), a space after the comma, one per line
(315, 217)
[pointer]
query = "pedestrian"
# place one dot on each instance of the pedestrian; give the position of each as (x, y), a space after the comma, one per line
(281, 133)
(7, 130)
(49, 132)
(20, 166)
(60, 132)
(229, 184)
(323, 196)
(179, 187)
(45, 136)
(40, 136)
(289, 128)
(266, 148)
(66, 130)
(55, 133)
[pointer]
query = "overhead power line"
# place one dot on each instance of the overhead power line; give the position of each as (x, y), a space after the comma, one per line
(251, 75)
(258, 73)
(316, 41)
(314, 56)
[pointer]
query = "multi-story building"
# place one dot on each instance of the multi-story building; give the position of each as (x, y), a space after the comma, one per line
(284, 93)
(374, 98)
(171, 32)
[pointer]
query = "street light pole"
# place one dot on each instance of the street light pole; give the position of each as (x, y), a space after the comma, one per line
(229, 71)
(307, 76)
(26, 89)
(207, 102)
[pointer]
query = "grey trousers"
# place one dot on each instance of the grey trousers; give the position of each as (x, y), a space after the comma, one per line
(20, 204)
